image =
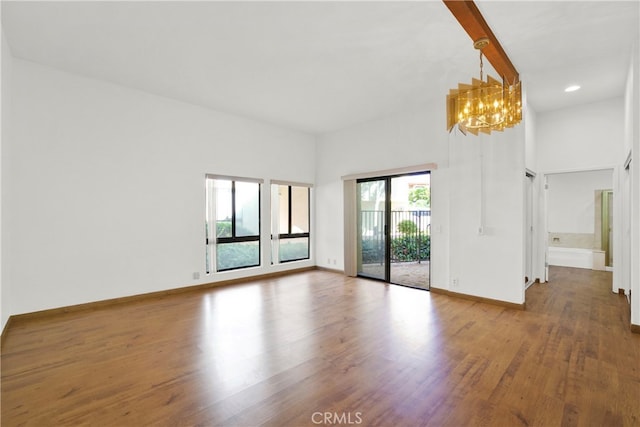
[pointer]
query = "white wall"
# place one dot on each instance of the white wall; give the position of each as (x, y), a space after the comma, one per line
(5, 91)
(392, 142)
(584, 137)
(486, 190)
(581, 138)
(632, 132)
(490, 265)
(531, 146)
(571, 198)
(107, 194)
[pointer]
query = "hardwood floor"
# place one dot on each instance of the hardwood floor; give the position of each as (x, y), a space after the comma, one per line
(318, 348)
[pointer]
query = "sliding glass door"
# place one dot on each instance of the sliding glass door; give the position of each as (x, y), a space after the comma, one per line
(394, 229)
(372, 225)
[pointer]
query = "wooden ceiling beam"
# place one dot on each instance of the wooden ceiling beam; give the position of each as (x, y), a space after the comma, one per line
(469, 16)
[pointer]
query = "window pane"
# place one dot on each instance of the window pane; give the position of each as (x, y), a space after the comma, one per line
(236, 255)
(299, 210)
(292, 249)
(247, 208)
(283, 216)
(222, 190)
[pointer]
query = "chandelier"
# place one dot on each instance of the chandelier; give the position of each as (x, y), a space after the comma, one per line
(484, 106)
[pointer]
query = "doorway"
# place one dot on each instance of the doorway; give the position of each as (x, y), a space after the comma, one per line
(606, 238)
(579, 219)
(394, 229)
(529, 229)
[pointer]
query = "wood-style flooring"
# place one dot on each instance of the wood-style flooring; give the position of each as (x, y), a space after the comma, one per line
(319, 348)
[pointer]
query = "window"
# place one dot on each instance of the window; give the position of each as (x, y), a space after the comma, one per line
(233, 223)
(290, 222)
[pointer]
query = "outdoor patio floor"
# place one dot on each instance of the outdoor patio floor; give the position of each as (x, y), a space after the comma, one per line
(402, 273)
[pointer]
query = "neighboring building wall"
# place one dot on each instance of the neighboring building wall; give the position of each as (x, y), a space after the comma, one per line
(107, 191)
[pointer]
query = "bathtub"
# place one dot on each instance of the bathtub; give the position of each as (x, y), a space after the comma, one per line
(592, 259)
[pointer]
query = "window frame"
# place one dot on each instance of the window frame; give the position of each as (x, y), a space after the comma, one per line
(234, 238)
(289, 234)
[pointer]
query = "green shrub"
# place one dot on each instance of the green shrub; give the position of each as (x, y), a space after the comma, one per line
(411, 248)
(420, 197)
(403, 249)
(407, 227)
(290, 251)
(223, 229)
(234, 255)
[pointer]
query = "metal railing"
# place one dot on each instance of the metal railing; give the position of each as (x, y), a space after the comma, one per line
(409, 232)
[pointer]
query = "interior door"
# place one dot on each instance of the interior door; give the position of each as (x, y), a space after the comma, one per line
(373, 200)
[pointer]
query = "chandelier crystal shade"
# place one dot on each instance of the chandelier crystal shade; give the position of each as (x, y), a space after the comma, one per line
(484, 106)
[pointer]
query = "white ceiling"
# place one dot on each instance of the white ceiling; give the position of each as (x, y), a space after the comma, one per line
(322, 66)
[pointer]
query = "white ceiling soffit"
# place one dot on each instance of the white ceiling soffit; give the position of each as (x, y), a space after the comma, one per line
(323, 66)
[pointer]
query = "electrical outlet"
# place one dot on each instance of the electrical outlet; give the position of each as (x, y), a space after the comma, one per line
(196, 275)
(328, 261)
(334, 261)
(454, 283)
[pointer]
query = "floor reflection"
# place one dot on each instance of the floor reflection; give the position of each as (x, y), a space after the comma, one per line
(232, 337)
(250, 333)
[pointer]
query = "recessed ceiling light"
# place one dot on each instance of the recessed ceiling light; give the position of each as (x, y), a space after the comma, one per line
(572, 88)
